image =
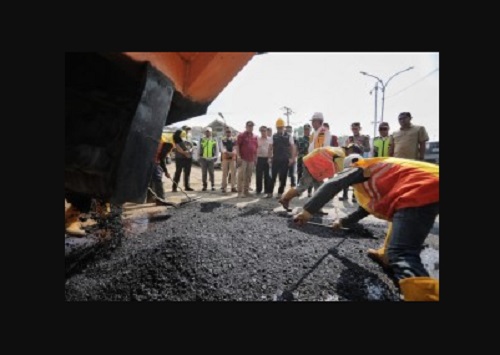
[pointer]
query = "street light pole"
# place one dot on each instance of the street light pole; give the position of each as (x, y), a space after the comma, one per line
(375, 121)
(384, 86)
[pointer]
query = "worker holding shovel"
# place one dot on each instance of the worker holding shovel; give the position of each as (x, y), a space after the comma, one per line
(402, 191)
(156, 191)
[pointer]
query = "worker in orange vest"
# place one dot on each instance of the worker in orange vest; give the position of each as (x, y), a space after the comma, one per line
(402, 191)
(321, 163)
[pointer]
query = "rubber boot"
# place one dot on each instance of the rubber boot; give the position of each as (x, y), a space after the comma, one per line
(287, 197)
(419, 289)
(380, 255)
(72, 222)
(159, 199)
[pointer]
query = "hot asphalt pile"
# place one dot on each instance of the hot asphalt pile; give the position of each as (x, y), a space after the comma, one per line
(209, 251)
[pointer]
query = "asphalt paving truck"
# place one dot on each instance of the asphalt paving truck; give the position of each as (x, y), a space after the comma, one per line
(116, 105)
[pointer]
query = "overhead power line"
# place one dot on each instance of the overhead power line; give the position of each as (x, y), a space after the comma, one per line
(416, 82)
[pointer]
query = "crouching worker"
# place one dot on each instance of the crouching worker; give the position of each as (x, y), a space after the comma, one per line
(321, 163)
(402, 191)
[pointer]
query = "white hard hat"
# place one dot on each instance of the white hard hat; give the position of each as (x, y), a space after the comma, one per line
(209, 129)
(317, 116)
(350, 159)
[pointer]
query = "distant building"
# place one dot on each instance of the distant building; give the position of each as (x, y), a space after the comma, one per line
(218, 130)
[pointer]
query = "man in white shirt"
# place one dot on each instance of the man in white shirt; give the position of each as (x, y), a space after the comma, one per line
(262, 164)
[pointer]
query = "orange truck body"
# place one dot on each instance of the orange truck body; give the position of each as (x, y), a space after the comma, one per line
(117, 105)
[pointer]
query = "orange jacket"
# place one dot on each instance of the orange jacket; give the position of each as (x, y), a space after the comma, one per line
(396, 183)
(324, 162)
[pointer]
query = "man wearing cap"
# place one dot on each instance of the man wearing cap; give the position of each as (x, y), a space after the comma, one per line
(246, 150)
(321, 136)
(409, 141)
(209, 150)
(303, 150)
(281, 156)
(381, 143)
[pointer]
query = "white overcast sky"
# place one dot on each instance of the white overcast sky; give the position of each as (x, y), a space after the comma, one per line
(330, 83)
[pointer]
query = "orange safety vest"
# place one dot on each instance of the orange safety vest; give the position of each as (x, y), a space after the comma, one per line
(320, 162)
(320, 138)
(396, 183)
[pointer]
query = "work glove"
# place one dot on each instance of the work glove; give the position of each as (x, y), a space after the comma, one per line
(337, 225)
(302, 218)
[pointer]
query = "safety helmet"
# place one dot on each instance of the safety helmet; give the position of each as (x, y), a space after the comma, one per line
(351, 159)
(164, 137)
(280, 123)
(317, 116)
(183, 134)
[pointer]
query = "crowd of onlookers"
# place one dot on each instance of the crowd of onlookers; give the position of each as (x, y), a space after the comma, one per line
(268, 157)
